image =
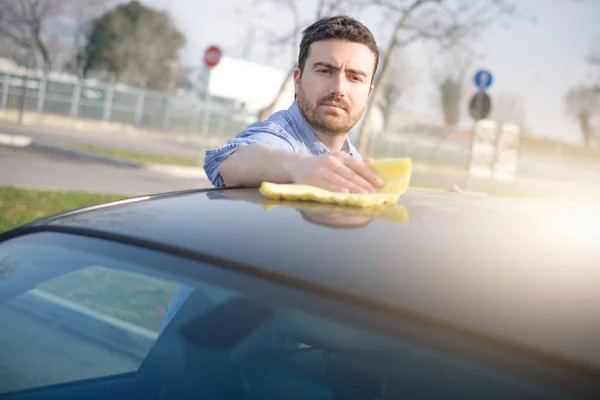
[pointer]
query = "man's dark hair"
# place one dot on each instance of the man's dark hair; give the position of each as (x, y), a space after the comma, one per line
(340, 27)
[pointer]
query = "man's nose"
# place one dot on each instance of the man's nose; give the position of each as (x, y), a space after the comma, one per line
(338, 86)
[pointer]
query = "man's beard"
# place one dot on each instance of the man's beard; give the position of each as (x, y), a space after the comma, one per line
(325, 121)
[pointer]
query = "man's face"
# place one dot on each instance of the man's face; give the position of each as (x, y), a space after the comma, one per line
(333, 89)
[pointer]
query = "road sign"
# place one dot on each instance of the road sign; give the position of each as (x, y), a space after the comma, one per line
(480, 106)
(212, 56)
(483, 79)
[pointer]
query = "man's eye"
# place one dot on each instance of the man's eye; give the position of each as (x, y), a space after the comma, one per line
(323, 71)
(356, 78)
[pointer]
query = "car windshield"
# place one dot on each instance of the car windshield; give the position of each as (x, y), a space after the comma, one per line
(98, 319)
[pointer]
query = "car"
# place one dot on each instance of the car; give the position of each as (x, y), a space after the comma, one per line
(225, 294)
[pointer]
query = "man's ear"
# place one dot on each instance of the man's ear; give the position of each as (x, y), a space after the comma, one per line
(371, 90)
(297, 76)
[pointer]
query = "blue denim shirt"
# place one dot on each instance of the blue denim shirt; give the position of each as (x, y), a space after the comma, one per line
(286, 130)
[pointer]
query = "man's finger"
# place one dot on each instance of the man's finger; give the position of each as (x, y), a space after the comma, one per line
(335, 188)
(333, 178)
(355, 178)
(361, 168)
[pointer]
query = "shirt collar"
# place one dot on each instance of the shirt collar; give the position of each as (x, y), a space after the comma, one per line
(311, 140)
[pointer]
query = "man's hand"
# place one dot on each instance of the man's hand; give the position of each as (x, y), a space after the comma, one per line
(336, 172)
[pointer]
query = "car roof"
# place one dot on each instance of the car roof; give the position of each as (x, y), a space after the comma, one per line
(526, 271)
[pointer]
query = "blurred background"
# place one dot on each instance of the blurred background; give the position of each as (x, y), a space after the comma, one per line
(106, 99)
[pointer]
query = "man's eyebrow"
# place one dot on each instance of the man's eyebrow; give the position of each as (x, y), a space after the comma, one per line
(331, 66)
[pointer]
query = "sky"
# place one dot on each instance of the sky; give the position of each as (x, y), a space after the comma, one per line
(534, 61)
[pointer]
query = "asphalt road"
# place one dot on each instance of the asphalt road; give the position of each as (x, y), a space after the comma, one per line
(162, 145)
(28, 167)
(59, 357)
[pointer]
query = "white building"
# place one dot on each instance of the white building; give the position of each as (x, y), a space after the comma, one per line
(252, 84)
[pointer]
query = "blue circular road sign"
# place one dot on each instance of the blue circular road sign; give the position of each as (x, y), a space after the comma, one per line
(483, 79)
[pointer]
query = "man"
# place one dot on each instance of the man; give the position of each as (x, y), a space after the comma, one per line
(308, 143)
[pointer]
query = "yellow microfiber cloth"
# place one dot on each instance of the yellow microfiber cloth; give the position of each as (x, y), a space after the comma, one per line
(394, 172)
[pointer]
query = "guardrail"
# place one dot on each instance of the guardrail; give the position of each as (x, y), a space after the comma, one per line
(141, 108)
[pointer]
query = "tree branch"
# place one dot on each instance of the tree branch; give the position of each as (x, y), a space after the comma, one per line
(19, 40)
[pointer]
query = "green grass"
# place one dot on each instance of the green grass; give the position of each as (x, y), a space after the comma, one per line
(19, 206)
(133, 155)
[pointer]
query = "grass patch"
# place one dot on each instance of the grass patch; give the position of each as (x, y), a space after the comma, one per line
(134, 155)
(20, 206)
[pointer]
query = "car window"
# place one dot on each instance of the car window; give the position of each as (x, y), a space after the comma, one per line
(103, 319)
(92, 322)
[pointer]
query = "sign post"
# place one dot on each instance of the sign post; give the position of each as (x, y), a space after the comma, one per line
(494, 150)
(212, 56)
(480, 106)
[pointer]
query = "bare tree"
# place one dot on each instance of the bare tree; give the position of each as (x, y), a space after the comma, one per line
(583, 102)
(450, 80)
(30, 24)
(25, 22)
(395, 87)
(443, 21)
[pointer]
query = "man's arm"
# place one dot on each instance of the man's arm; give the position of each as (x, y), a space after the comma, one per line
(266, 153)
(251, 165)
(259, 162)
(257, 134)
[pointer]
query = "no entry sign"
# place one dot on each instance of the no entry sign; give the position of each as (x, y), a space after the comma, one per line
(212, 55)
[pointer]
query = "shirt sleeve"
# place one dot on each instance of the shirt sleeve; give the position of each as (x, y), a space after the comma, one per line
(262, 132)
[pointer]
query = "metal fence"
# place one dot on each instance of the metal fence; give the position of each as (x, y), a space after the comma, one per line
(142, 108)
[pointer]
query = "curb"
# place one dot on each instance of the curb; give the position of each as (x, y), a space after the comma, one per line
(85, 155)
(23, 141)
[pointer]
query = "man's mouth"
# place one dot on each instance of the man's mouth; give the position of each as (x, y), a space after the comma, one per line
(334, 105)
